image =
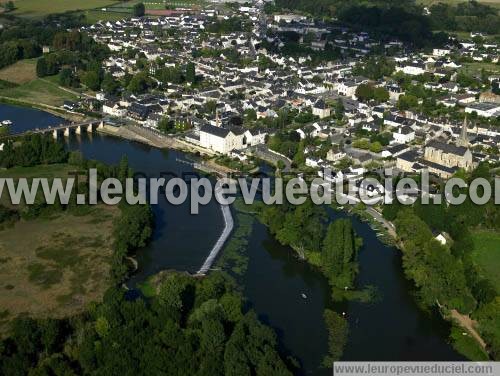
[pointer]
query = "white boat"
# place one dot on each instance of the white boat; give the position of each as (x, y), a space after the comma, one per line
(304, 296)
(6, 122)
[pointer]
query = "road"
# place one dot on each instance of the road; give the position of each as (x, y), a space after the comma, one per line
(378, 217)
(264, 153)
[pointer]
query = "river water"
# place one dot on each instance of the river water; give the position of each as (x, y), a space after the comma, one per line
(391, 328)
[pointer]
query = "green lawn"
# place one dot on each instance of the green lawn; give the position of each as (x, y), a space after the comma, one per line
(39, 91)
(475, 68)
(486, 255)
(41, 171)
(40, 8)
(93, 16)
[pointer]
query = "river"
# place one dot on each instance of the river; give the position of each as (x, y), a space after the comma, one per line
(391, 328)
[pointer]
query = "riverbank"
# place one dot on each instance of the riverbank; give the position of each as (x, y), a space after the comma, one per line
(56, 111)
(453, 316)
(148, 137)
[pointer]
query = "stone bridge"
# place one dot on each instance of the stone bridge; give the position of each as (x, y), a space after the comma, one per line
(64, 129)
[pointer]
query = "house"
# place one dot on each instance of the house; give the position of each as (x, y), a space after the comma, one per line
(412, 68)
(395, 150)
(335, 154)
(484, 109)
(222, 140)
(256, 136)
(403, 135)
(320, 109)
(441, 238)
(407, 160)
(440, 52)
(114, 109)
(347, 88)
(100, 96)
(313, 162)
(138, 112)
(70, 106)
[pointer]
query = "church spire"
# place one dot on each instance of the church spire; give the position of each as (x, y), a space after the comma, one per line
(463, 140)
(217, 118)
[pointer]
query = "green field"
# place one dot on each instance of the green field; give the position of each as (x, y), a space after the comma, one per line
(39, 91)
(43, 171)
(40, 8)
(475, 68)
(93, 16)
(486, 255)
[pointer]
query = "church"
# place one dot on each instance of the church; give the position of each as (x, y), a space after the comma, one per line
(444, 159)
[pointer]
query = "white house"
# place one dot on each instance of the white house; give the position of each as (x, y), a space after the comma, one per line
(114, 109)
(411, 68)
(403, 135)
(222, 140)
(484, 109)
(347, 88)
(320, 109)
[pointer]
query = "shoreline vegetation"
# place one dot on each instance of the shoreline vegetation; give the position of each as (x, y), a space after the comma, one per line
(184, 318)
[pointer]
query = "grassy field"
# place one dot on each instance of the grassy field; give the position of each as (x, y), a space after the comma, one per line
(475, 68)
(466, 345)
(62, 265)
(43, 171)
(486, 255)
(39, 91)
(19, 73)
(93, 16)
(40, 8)
(493, 3)
(59, 268)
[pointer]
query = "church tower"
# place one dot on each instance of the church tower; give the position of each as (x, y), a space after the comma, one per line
(217, 118)
(463, 140)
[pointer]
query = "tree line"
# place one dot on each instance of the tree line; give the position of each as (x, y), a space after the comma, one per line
(386, 19)
(446, 275)
(189, 327)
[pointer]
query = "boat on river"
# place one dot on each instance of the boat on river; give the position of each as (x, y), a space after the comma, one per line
(6, 122)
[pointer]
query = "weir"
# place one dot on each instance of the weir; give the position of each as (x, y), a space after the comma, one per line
(228, 227)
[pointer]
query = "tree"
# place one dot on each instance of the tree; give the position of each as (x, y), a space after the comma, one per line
(339, 109)
(109, 85)
(92, 80)
(67, 78)
(123, 169)
(190, 73)
(139, 83)
(365, 92)
(250, 114)
(338, 330)
(9, 6)
(380, 94)
(41, 67)
(338, 253)
(138, 10)
(406, 102)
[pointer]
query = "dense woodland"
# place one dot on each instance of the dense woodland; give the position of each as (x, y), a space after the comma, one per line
(191, 327)
(402, 18)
